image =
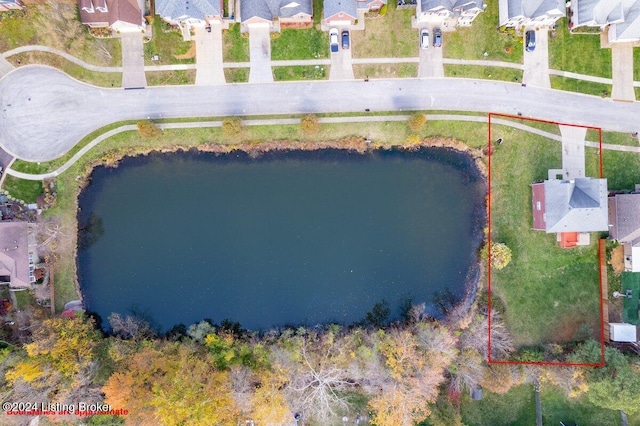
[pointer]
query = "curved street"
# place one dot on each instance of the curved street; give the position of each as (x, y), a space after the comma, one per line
(44, 113)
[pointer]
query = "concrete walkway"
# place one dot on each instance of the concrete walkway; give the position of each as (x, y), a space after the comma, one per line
(622, 72)
(573, 139)
(5, 66)
(329, 120)
(133, 60)
(209, 56)
(260, 54)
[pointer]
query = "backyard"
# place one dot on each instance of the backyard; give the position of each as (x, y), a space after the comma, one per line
(551, 295)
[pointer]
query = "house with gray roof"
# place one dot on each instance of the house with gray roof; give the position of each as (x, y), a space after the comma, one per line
(277, 13)
(570, 208)
(16, 268)
(7, 5)
(340, 12)
(118, 15)
(620, 17)
(449, 13)
(624, 226)
(189, 14)
(538, 13)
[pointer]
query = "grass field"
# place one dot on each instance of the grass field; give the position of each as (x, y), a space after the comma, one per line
(235, 48)
(168, 44)
(486, 73)
(389, 36)
(580, 53)
(311, 72)
(386, 71)
(300, 44)
(548, 292)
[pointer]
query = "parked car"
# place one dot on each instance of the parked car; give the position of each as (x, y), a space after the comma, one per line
(333, 40)
(424, 38)
(530, 40)
(437, 38)
(345, 39)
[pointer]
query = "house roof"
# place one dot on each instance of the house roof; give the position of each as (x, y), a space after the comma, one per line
(624, 216)
(110, 11)
(333, 7)
(531, 9)
(270, 9)
(450, 5)
(579, 205)
(183, 9)
(14, 252)
(596, 12)
(630, 28)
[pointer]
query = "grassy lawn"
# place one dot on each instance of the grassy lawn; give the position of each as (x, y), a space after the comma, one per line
(24, 298)
(483, 36)
(317, 72)
(386, 71)
(580, 53)
(621, 169)
(300, 44)
(236, 75)
(556, 408)
(235, 48)
(170, 78)
(548, 292)
(25, 190)
(387, 36)
(168, 44)
(486, 73)
(580, 86)
(515, 408)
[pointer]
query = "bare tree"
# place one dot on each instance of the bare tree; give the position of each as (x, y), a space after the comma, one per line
(476, 336)
(130, 327)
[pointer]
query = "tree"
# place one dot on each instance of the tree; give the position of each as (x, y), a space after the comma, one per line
(148, 129)
(130, 327)
(416, 122)
(310, 124)
(412, 140)
(232, 126)
(500, 255)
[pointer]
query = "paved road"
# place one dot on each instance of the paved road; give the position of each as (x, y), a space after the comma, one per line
(536, 63)
(260, 54)
(133, 60)
(43, 112)
(209, 55)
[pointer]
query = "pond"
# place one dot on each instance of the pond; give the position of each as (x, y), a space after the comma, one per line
(295, 238)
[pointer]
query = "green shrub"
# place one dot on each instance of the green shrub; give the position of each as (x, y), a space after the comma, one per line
(383, 10)
(417, 121)
(148, 129)
(232, 126)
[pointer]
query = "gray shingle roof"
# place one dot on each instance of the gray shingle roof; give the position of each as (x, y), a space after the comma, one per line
(529, 8)
(576, 206)
(626, 217)
(270, 9)
(333, 7)
(187, 8)
(450, 4)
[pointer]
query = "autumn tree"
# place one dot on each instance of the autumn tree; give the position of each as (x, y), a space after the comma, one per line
(130, 327)
(416, 122)
(500, 255)
(310, 124)
(232, 127)
(148, 129)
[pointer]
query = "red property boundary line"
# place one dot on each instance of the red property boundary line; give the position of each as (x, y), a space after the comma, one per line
(600, 260)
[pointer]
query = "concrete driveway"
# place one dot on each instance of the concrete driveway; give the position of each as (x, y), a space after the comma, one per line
(260, 54)
(431, 58)
(536, 63)
(209, 56)
(133, 60)
(622, 72)
(573, 151)
(342, 61)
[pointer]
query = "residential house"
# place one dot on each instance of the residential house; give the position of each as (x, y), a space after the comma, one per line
(189, 14)
(16, 255)
(118, 15)
(7, 5)
(340, 12)
(277, 14)
(624, 226)
(570, 208)
(621, 17)
(539, 13)
(450, 13)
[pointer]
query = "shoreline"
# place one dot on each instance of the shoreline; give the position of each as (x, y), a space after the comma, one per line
(473, 282)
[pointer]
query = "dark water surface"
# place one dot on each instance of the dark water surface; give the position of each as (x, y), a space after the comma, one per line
(289, 238)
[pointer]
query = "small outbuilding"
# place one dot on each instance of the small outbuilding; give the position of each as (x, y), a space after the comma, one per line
(622, 332)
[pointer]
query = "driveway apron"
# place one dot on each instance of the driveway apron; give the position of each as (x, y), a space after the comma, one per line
(5, 66)
(431, 64)
(536, 63)
(622, 72)
(341, 63)
(573, 151)
(209, 56)
(133, 60)
(260, 52)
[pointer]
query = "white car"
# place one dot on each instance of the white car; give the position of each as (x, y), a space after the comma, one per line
(424, 38)
(333, 40)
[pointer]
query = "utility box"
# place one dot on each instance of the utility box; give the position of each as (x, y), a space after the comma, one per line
(622, 332)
